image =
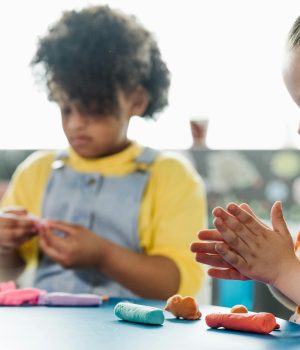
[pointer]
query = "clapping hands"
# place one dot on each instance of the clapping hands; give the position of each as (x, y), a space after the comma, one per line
(242, 247)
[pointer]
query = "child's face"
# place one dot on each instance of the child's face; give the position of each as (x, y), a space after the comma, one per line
(291, 75)
(93, 136)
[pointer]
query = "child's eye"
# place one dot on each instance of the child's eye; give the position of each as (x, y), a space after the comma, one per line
(65, 111)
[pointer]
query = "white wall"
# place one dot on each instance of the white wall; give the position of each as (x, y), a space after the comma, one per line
(225, 58)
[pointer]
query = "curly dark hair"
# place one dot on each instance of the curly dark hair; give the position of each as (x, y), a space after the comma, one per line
(89, 55)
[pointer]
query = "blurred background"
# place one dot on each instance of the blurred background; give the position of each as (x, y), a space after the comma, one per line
(225, 58)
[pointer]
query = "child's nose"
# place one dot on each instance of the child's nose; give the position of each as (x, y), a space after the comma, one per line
(77, 120)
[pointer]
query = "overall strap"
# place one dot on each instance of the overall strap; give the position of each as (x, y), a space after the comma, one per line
(59, 159)
(146, 158)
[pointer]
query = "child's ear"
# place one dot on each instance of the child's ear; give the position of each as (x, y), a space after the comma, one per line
(139, 101)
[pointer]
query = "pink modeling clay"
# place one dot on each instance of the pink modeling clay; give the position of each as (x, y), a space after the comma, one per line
(7, 286)
(10, 295)
(24, 296)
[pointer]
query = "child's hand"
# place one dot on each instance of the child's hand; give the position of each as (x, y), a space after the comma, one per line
(206, 254)
(251, 247)
(16, 227)
(79, 247)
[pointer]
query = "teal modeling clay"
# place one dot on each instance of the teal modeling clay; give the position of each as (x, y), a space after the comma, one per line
(139, 313)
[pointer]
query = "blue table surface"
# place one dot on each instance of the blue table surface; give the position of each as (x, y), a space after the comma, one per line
(97, 328)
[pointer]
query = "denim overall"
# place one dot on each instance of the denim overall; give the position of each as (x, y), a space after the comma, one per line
(107, 205)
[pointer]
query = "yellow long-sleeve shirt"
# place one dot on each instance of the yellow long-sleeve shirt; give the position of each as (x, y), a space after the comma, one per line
(173, 208)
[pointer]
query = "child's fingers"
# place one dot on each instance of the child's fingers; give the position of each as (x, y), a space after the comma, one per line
(15, 210)
(62, 226)
(212, 260)
(49, 250)
(19, 236)
(246, 219)
(231, 257)
(246, 207)
(13, 221)
(239, 238)
(203, 247)
(230, 218)
(210, 235)
(14, 237)
(226, 274)
(52, 240)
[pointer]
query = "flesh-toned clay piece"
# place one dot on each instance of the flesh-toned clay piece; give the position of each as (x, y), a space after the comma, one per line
(183, 307)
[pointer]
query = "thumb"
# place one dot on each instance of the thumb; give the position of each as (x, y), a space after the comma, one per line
(278, 221)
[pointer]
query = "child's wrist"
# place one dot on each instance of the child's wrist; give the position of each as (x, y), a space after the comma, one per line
(286, 274)
(100, 253)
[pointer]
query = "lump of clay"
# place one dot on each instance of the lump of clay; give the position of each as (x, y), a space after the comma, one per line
(183, 307)
(239, 309)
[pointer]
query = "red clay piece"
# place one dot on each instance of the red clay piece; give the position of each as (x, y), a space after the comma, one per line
(261, 322)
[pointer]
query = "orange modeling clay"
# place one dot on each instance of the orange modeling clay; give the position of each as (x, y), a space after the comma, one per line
(105, 297)
(183, 307)
(261, 322)
(239, 309)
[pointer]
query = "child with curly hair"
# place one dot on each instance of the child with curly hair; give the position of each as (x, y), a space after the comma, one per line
(119, 216)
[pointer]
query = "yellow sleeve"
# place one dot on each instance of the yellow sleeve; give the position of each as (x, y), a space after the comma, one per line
(26, 190)
(173, 211)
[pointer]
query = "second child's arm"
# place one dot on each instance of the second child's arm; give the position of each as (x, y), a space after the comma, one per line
(147, 276)
(250, 249)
